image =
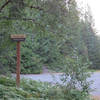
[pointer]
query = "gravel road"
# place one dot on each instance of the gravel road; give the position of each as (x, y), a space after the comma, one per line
(52, 78)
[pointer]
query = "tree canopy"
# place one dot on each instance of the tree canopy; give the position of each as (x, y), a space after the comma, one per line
(53, 28)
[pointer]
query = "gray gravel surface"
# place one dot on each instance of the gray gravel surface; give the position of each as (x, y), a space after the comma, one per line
(52, 78)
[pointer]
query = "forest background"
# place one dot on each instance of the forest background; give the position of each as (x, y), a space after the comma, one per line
(54, 30)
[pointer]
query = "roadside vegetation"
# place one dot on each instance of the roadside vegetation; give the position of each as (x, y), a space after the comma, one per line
(32, 90)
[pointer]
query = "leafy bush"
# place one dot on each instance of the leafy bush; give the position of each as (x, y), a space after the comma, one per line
(75, 77)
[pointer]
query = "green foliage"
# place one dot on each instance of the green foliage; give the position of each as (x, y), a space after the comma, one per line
(32, 90)
(75, 77)
(91, 41)
(52, 33)
(76, 69)
(43, 25)
(30, 61)
(53, 30)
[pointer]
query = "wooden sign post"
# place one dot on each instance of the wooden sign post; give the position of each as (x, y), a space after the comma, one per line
(18, 38)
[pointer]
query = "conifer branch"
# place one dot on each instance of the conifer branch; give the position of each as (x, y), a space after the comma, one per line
(5, 4)
(36, 7)
(15, 18)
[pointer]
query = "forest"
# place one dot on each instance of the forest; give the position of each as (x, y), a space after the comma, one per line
(59, 36)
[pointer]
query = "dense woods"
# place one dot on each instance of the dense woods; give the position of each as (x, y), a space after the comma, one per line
(57, 37)
(53, 28)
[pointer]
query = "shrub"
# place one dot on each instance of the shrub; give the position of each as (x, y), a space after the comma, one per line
(32, 90)
(75, 78)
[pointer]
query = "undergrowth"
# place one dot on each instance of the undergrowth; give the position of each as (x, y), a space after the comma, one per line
(32, 90)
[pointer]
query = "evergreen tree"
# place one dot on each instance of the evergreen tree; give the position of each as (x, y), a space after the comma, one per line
(91, 41)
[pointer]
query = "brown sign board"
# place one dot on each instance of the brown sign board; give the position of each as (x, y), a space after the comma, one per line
(18, 37)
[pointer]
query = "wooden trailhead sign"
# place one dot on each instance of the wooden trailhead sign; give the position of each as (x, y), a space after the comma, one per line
(18, 38)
